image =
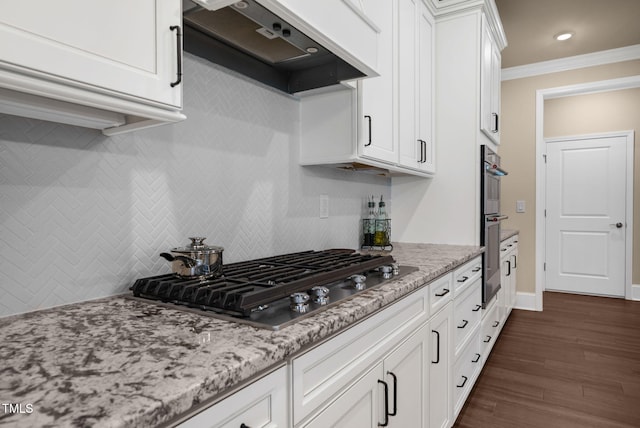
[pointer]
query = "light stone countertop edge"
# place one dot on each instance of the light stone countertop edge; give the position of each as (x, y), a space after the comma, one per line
(117, 362)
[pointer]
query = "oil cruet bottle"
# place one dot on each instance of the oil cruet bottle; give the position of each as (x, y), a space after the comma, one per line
(370, 223)
(380, 237)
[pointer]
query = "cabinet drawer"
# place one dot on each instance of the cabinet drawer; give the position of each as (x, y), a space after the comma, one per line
(465, 371)
(467, 314)
(261, 404)
(467, 274)
(490, 329)
(507, 245)
(440, 292)
(324, 371)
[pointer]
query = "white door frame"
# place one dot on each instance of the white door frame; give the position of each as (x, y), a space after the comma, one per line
(567, 91)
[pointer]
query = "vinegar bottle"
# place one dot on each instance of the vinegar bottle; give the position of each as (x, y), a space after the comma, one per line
(380, 237)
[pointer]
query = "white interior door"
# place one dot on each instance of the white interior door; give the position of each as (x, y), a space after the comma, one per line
(586, 215)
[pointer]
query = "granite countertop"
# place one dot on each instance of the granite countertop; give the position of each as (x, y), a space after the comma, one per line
(508, 233)
(117, 362)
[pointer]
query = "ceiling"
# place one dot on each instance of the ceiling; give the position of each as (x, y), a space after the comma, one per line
(598, 25)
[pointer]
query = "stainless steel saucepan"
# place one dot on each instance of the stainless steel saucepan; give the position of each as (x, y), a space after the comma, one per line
(196, 260)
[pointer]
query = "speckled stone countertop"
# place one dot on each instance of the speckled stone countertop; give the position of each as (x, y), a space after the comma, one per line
(507, 233)
(117, 362)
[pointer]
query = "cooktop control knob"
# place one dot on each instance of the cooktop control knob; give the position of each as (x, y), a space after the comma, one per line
(319, 295)
(358, 281)
(387, 271)
(299, 302)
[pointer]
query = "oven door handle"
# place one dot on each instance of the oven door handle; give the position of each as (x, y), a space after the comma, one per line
(497, 218)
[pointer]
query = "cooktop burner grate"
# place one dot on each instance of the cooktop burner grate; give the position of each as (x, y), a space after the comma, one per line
(245, 286)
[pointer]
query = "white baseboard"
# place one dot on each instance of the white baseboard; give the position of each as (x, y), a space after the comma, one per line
(527, 301)
(635, 291)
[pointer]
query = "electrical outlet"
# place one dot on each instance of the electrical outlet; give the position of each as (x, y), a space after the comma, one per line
(520, 208)
(324, 206)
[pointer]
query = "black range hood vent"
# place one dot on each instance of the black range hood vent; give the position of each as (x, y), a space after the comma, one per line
(249, 39)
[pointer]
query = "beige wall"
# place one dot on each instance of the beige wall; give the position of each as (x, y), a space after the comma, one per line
(518, 143)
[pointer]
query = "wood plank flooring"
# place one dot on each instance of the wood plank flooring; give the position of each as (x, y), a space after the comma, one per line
(575, 364)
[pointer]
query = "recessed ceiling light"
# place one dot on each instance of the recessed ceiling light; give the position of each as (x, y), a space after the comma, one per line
(565, 35)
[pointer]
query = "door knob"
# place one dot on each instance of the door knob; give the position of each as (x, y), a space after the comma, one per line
(618, 225)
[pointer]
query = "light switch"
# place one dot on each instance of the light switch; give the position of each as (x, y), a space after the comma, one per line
(520, 207)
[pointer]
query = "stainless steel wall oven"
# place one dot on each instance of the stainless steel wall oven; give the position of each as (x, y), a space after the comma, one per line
(490, 219)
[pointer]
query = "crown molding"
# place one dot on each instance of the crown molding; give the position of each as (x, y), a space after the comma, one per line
(627, 53)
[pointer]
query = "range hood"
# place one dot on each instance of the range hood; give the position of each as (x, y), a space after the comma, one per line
(248, 38)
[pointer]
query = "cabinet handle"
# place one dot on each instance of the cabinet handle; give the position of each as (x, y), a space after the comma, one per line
(395, 394)
(477, 269)
(437, 361)
(515, 261)
(496, 117)
(464, 324)
(176, 28)
(244, 426)
(444, 292)
(386, 404)
(487, 340)
(477, 308)
(509, 266)
(423, 151)
(366, 116)
(495, 324)
(477, 359)
(464, 278)
(463, 382)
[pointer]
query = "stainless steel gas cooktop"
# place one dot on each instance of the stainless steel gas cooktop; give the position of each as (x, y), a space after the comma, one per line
(274, 292)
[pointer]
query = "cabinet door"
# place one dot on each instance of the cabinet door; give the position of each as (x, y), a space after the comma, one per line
(426, 135)
(375, 122)
(116, 45)
(358, 407)
(407, 58)
(490, 85)
(415, 79)
(405, 371)
(261, 404)
(440, 383)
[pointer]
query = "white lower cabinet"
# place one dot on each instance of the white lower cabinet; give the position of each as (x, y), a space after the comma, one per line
(412, 364)
(466, 369)
(440, 386)
(357, 407)
(508, 272)
(264, 403)
(392, 393)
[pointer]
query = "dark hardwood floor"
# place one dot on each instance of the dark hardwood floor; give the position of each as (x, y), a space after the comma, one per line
(575, 364)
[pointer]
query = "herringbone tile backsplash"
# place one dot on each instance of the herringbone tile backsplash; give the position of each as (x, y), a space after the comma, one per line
(83, 215)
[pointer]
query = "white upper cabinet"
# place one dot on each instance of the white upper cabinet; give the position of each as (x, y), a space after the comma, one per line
(117, 56)
(375, 120)
(490, 75)
(386, 121)
(415, 86)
